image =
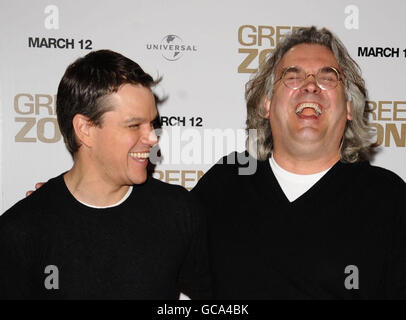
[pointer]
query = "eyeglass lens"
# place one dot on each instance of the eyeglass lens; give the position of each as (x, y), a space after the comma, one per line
(327, 77)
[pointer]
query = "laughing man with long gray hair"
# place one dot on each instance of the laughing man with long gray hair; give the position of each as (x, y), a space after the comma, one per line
(315, 220)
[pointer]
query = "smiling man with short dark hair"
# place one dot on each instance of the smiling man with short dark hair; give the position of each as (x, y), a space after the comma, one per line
(105, 228)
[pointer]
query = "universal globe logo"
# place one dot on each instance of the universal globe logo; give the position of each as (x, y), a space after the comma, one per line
(174, 44)
(172, 47)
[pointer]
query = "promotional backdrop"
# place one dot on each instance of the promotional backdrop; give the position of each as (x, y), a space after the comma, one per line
(205, 51)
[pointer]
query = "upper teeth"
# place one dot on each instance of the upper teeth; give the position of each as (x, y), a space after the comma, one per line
(313, 106)
(139, 154)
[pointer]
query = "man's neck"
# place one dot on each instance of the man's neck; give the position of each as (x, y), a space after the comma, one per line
(89, 187)
(305, 163)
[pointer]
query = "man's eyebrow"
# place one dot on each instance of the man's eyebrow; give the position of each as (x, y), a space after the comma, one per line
(291, 68)
(140, 119)
(134, 119)
(282, 70)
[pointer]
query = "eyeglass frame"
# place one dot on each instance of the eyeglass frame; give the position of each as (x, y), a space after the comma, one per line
(339, 77)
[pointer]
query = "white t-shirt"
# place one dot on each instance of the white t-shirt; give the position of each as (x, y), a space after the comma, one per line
(292, 184)
(130, 189)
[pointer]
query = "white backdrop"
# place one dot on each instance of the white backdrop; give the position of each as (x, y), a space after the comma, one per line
(205, 81)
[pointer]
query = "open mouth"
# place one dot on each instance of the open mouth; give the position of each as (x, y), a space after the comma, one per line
(140, 156)
(308, 109)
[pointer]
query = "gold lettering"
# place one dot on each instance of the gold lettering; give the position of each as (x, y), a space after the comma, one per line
(396, 110)
(252, 54)
(280, 35)
(253, 37)
(184, 179)
(269, 36)
(372, 109)
(17, 106)
(168, 179)
(41, 130)
(29, 123)
(187, 177)
(381, 109)
(200, 174)
(400, 140)
(160, 173)
(45, 104)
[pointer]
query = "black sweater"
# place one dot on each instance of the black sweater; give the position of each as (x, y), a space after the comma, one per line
(263, 247)
(149, 247)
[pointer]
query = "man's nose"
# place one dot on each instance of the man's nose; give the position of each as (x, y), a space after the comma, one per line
(150, 138)
(310, 84)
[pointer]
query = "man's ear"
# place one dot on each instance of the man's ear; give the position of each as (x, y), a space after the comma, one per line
(82, 126)
(349, 110)
(267, 107)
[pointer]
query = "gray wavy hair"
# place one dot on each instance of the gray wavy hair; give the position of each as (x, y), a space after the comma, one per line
(356, 143)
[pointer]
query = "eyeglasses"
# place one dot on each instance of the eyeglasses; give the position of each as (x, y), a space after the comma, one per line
(327, 78)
